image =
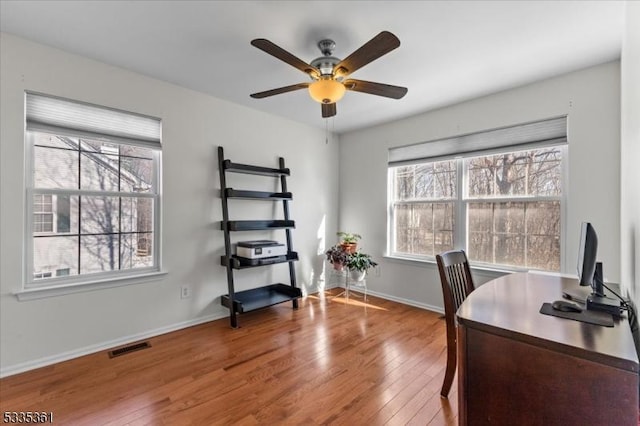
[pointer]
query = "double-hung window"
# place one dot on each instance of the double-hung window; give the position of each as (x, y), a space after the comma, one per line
(496, 194)
(93, 192)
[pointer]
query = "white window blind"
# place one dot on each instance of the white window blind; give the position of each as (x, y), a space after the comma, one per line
(530, 135)
(45, 113)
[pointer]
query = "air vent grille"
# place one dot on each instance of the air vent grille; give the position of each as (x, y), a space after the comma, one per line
(128, 349)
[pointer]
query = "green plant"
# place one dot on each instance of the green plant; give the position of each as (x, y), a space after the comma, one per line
(337, 255)
(348, 237)
(360, 261)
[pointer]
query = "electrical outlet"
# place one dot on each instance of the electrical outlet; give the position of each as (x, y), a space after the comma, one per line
(185, 292)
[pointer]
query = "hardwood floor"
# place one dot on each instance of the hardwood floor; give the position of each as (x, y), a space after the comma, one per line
(329, 362)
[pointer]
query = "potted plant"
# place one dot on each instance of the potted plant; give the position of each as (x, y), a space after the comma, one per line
(349, 241)
(358, 264)
(337, 256)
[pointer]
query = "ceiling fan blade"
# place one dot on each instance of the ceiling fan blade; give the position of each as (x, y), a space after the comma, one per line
(386, 90)
(277, 51)
(279, 90)
(328, 110)
(378, 46)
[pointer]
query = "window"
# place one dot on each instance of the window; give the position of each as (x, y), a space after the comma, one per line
(93, 192)
(42, 213)
(424, 207)
(503, 207)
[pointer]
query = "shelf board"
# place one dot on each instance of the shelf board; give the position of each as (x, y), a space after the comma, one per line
(261, 297)
(257, 195)
(229, 166)
(257, 225)
(244, 263)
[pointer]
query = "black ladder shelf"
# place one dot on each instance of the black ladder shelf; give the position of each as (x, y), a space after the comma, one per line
(271, 294)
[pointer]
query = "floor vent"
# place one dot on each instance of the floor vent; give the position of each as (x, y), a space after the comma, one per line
(128, 349)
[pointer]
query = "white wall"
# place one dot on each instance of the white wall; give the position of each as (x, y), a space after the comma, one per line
(590, 98)
(630, 153)
(43, 331)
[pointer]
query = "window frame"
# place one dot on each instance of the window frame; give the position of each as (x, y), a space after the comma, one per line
(55, 284)
(461, 208)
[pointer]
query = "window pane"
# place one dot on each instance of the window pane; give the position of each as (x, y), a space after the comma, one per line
(137, 214)
(429, 181)
(545, 177)
(136, 250)
(63, 213)
(543, 218)
(42, 222)
(535, 172)
(424, 228)
(136, 175)
(481, 177)
(46, 139)
(99, 215)
(424, 181)
(42, 213)
(445, 178)
(443, 227)
(136, 151)
(523, 234)
(509, 250)
(509, 218)
(544, 252)
(402, 216)
(404, 183)
(543, 227)
(99, 253)
(480, 246)
(99, 172)
(55, 168)
(63, 272)
(53, 253)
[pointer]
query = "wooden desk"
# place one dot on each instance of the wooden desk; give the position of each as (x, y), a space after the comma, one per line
(520, 367)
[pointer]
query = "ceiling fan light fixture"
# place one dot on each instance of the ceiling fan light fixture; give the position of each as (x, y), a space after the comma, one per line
(326, 91)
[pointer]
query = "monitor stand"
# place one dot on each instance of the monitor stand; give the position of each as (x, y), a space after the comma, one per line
(597, 300)
(605, 304)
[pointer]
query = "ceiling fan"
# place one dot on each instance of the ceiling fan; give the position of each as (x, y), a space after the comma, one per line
(328, 73)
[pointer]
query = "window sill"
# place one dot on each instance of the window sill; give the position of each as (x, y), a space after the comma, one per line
(83, 286)
(475, 267)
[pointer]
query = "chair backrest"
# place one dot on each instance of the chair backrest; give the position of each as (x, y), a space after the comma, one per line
(456, 280)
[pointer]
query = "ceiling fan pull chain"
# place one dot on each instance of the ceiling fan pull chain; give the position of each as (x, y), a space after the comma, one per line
(326, 131)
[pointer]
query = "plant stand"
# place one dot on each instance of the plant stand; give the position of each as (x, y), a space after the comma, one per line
(349, 282)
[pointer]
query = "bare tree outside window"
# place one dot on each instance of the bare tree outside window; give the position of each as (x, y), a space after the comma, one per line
(514, 208)
(424, 221)
(511, 202)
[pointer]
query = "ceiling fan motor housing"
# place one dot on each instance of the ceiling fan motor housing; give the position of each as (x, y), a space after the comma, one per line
(327, 62)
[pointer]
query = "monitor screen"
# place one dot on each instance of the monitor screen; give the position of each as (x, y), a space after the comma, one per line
(587, 254)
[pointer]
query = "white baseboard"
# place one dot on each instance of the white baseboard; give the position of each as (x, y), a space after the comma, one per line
(409, 302)
(65, 356)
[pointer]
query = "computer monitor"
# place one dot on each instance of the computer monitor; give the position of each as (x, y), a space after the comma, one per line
(590, 272)
(587, 255)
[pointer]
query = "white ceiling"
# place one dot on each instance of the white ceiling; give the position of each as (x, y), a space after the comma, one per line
(451, 50)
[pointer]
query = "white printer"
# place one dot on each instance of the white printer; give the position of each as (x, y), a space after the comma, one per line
(258, 249)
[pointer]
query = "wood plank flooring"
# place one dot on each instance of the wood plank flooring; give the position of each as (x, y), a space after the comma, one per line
(332, 361)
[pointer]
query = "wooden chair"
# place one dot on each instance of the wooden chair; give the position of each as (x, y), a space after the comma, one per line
(457, 283)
